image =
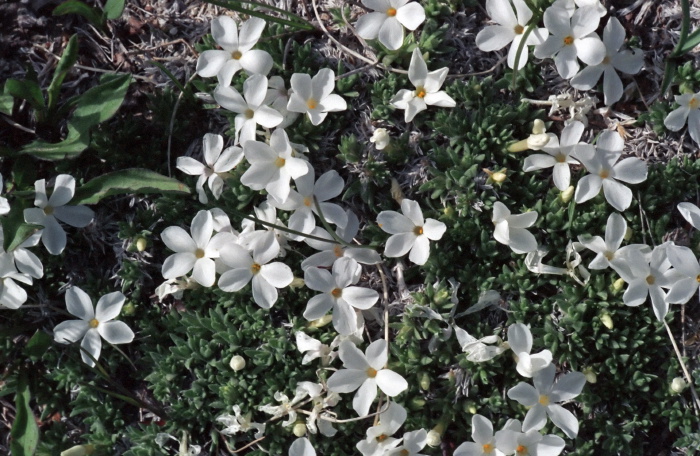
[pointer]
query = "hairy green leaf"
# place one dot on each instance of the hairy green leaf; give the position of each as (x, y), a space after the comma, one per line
(127, 181)
(26, 90)
(101, 102)
(68, 59)
(113, 9)
(25, 432)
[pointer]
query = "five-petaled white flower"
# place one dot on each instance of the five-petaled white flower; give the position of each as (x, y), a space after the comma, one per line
(413, 442)
(510, 440)
(250, 107)
(388, 21)
(379, 437)
(484, 441)
(541, 399)
(365, 371)
(313, 96)
(605, 172)
(271, 167)
(571, 38)
(510, 29)
(689, 110)
(626, 61)
(237, 50)
(93, 323)
(520, 341)
(686, 263)
(240, 423)
(12, 296)
(338, 294)
(410, 231)
(217, 164)
(510, 229)
(427, 90)
(50, 211)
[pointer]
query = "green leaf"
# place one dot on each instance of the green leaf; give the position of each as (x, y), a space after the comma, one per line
(25, 432)
(26, 90)
(37, 345)
(127, 181)
(294, 20)
(24, 230)
(68, 59)
(100, 103)
(76, 7)
(71, 147)
(113, 9)
(691, 41)
(7, 101)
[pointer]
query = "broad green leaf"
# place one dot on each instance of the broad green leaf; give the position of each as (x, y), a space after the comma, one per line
(37, 345)
(7, 101)
(26, 90)
(25, 432)
(100, 103)
(113, 9)
(127, 181)
(24, 230)
(71, 147)
(12, 222)
(68, 59)
(76, 7)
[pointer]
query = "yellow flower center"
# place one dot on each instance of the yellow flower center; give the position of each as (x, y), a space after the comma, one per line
(488, 448)
(255, 268)
(650, 279)
(308, 201)
(609, 256)
(280, 162)
(199, 253)
(568, 40)
(606, 60)
(94, 323)
(382, 437)
(339, 251)
(236, 55)
(337, 293)
(521, 449)
(391, 12)
(697, 279)
(48, 210)
(544, 400)
(371, 372)
(694, 103)
(418, 230)
(518, 29)
(560, 158)
(311, 104)
(249, 113)
(404, 452)
(604, 174)
(420, 92)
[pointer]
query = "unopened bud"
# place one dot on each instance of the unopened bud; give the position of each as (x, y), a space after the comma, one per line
(567, 194)
(519, 146)
(297, 282)
(435, 435)
(628, 234)
(678, 385)
(538, 127)
(607, 320)
(590, 375)
(79, 450)
(321, 322)
(470, 408)
(618, 285)
(425, 381)
(237, 363)
(299, 429)
(380, 138)
(141, 243)
(129, 309)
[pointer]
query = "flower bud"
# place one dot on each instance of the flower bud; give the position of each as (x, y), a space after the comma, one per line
(237, 363)
(678, 385)
(129, 309)
(141, 243)
(380, 138)
(567, 194)
(424, 381)
(618, 285)
(297, 282)
(607, 320)
(321, 322)
(628, 234)
(519, 146)
(590, 374)
(435, 434)
(299, 429)
(538, 127)
(79, 450)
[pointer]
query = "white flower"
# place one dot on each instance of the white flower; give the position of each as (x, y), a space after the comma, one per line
(410, 231)
(26, 262)
(520, 341)
(237, 50)
(479, 350)
(427, 90)
(380, 138)
(12, 296)
(268, 238)
(629, 62)
(278, 98)
(413, 442)
(4, 205)
(685, 262)
(364, 373)
(302, 447)
(93, 323)
(314, 349)
(196, 252)
(570, 6)
(266, 278)
(250, 107)
(240, 423)
(559, 155)
(379, 438)
(605, 172)
(313, 96)
(388, 21)
(541, 399)
(217, 164)
(510, 229)
(484, 440)
(272, 167)
(691, 213)
(510, 440)
(337, 294)
(689, 110)
(571, 38)
(50, 211)
(510, 29)
(286, 406)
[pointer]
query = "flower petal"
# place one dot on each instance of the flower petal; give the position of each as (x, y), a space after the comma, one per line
(391, 34)
(391, 383)
(411, 15)
(109, 306)
(92, 344)
(364, 397)
(116, 332)
(70, 331)
(78, 303)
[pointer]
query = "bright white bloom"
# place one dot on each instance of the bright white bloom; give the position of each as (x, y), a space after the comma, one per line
(571, 38)
(272, 167)
(484, 441)
(317, 420)
(409, 231)
(250, 107)
(314, 349)
(266, 278)
(388, 21)
(237, 50)
(25, 261)
(541, 399)
(570, 6)
(331, 251)
(479, 350)
(12, 296)
(240, 423)
(217, 165)
(4, 205)
(268, 238)
(380, 138)
(302, 447)
(50, 211)
(337, 294)
(691, 213)
(688, 111)
(629, 62)
(413, 442)
(365, 372)
(286, 406)
(510, 229)
(510, 29)
(510, 440)
(313, 96)
(196, 252)
(685, 262)
(520, 341)
(301, 201)
(379, 438)
(559, 155)
(427, 90)
(574, 269)
(648, 274)
(605, 172)
(93, 323)
(278, 98)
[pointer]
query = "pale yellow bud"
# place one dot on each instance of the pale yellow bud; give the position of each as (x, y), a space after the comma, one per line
(299, 429)
(590, 374)
(425, 381)
(237, 363)
(567, 194)
(435, 435)
(618, 285)
(141, 244)
(519, 146)
(396, 191)
(678, 385)
(79, 450)
(321, 322)
(628, 234)
(607, 320)
(297, 282)
(538, 127)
